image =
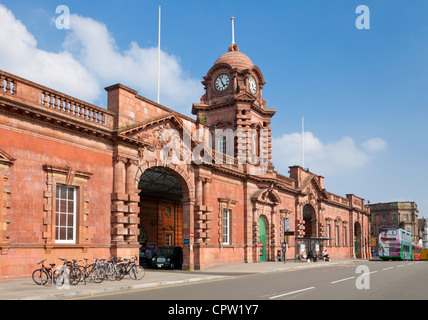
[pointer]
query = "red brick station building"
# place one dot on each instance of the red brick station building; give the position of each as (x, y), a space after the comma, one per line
(79, 181)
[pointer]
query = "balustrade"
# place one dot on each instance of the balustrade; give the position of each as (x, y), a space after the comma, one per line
(72, 107)
(39, 95)
(8, 85)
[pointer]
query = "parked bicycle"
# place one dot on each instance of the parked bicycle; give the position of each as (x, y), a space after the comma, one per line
(74, 273)
(135, 271)
(94, 271)
(113, 271)
(42, 275)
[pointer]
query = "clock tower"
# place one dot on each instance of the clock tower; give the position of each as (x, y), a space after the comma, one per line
(233, 102)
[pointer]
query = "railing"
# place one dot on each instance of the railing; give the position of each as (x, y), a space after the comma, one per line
(72, 107)
(223, 158)
(8, 85)
(36, 95)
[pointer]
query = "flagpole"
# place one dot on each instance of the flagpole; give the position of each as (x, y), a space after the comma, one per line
(159, 54)
(233, 29)
(303, 142)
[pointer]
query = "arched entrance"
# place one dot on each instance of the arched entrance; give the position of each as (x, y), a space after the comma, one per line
(161, 208)
(357, 240)
(262, 239)
(308, 217)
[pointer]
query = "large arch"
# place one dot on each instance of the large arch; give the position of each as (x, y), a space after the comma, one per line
(358, 250)
(161, 209)
(309, 218)
(177, 192)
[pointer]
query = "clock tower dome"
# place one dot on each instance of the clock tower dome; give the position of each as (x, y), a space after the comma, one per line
(233, 100)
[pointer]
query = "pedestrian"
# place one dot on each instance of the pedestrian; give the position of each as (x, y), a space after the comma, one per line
(325, 255)
(310, 256)
(148, 254)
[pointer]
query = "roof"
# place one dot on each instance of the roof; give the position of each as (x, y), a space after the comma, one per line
(235, 59)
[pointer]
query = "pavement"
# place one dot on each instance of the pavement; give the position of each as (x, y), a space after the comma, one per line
(26, 289)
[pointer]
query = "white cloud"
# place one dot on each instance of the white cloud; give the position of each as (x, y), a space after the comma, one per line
(330, 158)
(375, 144)
(91, 60)
(136, 67)
(61, 71)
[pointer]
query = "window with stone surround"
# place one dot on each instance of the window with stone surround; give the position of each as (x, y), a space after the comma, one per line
(345, 235)
(66, 208)
(222, 144)
(328, 230)
(65, 216)
(168, 239)
(337, 235)
(226, 221)
(226, 226)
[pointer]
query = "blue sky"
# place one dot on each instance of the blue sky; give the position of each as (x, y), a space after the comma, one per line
(363, 93)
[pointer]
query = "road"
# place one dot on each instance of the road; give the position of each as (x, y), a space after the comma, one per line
(365, 280)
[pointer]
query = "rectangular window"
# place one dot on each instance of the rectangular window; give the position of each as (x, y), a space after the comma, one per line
(222, 145)
(337, 235)
(226, 217)
(168, 239)
(328, 234)
(344, 236)
(65, 225)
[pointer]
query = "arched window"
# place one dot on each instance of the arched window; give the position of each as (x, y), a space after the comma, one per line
(222, 144)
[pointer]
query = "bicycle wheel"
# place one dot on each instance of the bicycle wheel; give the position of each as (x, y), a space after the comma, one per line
(40, 277)
(97, 275)
(137, 272)
(110, 272)
(58, 278)
(75, 276)
(119, 272)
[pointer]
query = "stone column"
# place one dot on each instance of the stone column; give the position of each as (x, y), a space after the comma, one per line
(132, 203)
(118, 198)
(198, 215)
(188, 229)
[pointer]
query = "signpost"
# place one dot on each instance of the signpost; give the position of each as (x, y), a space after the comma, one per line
(284, 251)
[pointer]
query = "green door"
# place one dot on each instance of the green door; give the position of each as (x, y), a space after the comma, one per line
(356, 246)
(262, 239)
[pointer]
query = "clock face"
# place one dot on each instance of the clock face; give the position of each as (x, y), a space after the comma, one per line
(253, 85)
(222, 82)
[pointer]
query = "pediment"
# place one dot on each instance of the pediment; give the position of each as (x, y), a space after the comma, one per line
(6, 158)
(168, 228)
(245, 96)
(169, 120)
(266, 196)
(312, 188)
(156, 132)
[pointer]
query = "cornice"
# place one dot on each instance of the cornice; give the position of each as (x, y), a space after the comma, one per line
(53, 118)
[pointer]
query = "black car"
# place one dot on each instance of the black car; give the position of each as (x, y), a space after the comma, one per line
(168, 257)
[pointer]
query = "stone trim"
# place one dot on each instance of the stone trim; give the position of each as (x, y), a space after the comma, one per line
(6, 161)
(69, 177)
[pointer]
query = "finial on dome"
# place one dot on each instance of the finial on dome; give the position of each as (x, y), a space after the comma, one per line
(233, 48)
